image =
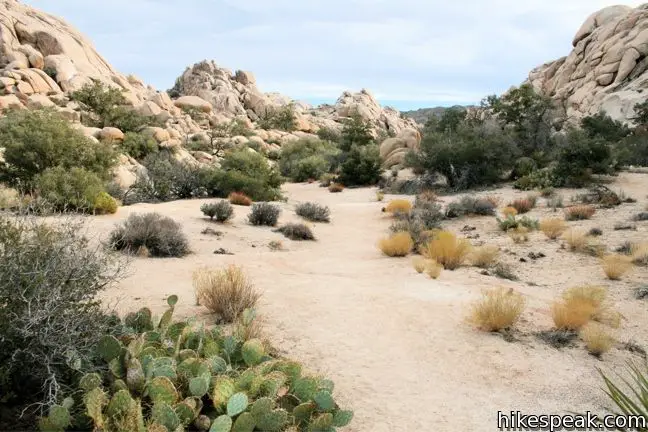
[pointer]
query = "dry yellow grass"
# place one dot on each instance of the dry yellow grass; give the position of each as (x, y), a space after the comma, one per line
(336, 187)
(576, 239)
(396, 245)
(238, 198)
(447, 250)
(398, 206)
(433, 269)
(380, 196)
(553, 227)
(639, 254)
(581, 304)
(484, 256)
(419, 263)
(579, 212)
(509, 211)
(615, 266)
(523, 205)
(597, 340)
(519, 234)
(571, 315)
(498, 309)
(9, 198)
(226, 292)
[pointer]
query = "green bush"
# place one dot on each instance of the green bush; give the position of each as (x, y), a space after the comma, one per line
(632, 150)
(282, 118)
(355, 132)
(523, 167)
(601, 125)
(307, 158)
(182, 376)
(264, 214)
(50, 320)
(104, 203)
(579, 156)
(296, 231)
(138, 146)
(361, 166)
(511, 222)
(37, 140)
(329, 134)
(160, 235)
(69, 189)
(313, 212)
(470, 206)
(221, 210)
(540, 179)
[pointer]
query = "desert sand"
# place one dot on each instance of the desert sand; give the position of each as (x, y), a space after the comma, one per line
(396, 343)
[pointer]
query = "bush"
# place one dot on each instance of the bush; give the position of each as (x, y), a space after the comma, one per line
(447, 250)
(264, 214)
(498, 309)
(523, 167)
(361, 166)
(75, 189)
(356, 132)
(397, 245)
(523, 205)
(504, 271)
(50, 319)
(282, 118)
(295, 231)
(640, 217)
(576, 239)
(221, 210)
(597, 340)
(616, 266)
(553, 228)
(471, 206)
(484, 256)
(34, 141)
(601, 195)
(105, 204)
(138, 146)
(206, 379)
(398, 207)
(329, 134)
(336, 187)
(226, 292)
(578, 306)
(519, 234)
(512, 223)
(639, 254)
(313, 212)
(579, 212)
(539, 179)
(579, 157)
(160, 235)
(238, 198)
(419, 263)
(509, 211)
(433, 269)
(307, 158)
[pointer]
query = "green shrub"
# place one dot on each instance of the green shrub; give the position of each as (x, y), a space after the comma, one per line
(223, 183)
(37, 140)
(160, 235)
(511, 222)
(329, 134)
(313, 212)
(523, 167)
(180, 374)
(221, 210)
(138, 146)
(580, 156)
(296, 231)
(307, 158)
(356, 132)
(470, 205)
(539, 179)
(105, 204)
(281, 118)
(630, 397)
(633, 149)
(50, 320)
(75, 189)
(361, 166)
(601, 125)
(264, 214)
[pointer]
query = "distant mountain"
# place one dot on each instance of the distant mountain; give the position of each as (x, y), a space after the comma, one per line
(422, 115)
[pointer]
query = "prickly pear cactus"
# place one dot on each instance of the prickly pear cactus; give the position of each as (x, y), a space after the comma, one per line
(221, 424)
(253, 352)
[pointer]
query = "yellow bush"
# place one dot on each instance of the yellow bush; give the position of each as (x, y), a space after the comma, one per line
(398, 206)
(397, 245)
(570, 315)
(239, 198)
(226, 292)
(597, 340)
(484, 256)
(336, 187)
(509, 211)
(498, 309)
(616, 265)
(9, 198)
(433, 269)
(419, 263)
(576, 239)
(553, 227)
(639, 254)
(380, 196)
(579, 305)
(447, 250)
(105, 204)
(579, 212)
(519, 234)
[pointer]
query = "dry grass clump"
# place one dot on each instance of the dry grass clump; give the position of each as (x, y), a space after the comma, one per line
(427, 196)
(419, 264)
(447, 250)
(579, 212)
(581, 304)
(509, 212)
(296, 231)
(397, 245)
(276, 245)
(433, 269)
(570, 315)
(616, 265)
(577, 240)
(498, 309)
(238, 198)
(524, 205)
(380, 195)
(597, 340)
(519, 234)
(226, 292)
(484, 256)
(553, 227)
(336, 187)
(398, 207)
(639, 254)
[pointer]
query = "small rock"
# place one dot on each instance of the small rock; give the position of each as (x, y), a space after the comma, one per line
(468, 228)
(523, 260)
(211, 231)
(221, 251)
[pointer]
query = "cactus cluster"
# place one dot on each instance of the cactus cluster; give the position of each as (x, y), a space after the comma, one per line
(174, 377)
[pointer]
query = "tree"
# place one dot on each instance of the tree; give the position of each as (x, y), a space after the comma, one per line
(361, 166)
(641, 113)
(580, 156)
(601, 125)
(356, 131)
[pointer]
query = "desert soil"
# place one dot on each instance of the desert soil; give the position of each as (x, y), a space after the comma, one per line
(395, 342)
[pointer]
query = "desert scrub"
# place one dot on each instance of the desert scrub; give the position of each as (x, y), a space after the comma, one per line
(222, 210)
(398, 207)
(555, 202)
(519, 234)
(484, 256)
(160, 235)
(380, 196)
(264, 214)
(577, 240)
(524, 205)
(511, 222)
(105, 204)
(579, 212)
(296, 231)
(615, 266)
(498, 309)
(597, 340)
(471, 206)
(419, 264)
(433, 269)
(225, 292)
(509, 212)
(640, 217)
(313, 212)
(238, 198)
(446, 249)
(504, 271)
(639, 254)
(553, 227)
(180, 374)
(396, 245)
(336, 187)
(578, 305)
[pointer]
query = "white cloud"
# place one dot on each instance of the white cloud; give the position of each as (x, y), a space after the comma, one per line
(406, 50)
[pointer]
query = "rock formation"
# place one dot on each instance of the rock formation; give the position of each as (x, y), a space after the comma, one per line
(393, 150)
(607, 68)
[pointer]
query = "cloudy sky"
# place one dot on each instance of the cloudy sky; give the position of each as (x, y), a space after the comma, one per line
(408, 53)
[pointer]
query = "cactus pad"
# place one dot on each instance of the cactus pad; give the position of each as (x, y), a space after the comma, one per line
(324, 401)
(199, 386)
(342, 418)
(323, 422)
(326, 384)
(186, 411)
(161, 389)
(141, 321)
(222, 391)
(109, 348)
(90, 381)
(273, 421)
(292, 369)
(221, 424)
(305, 388)
(210, 348)
(172, 300)
(244, 423)
(120, 404)
(165, 415)
(94, 401)
(135, 378)
(237, 404)
(59, 417)
(253, 352)
(218, 364)
(303, 412)
(187, 354)
(202, 422)
(272, 383)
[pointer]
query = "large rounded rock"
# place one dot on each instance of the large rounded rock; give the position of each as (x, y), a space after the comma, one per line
(193, 102)
(111, 134)
(393, 150)
(158, 134)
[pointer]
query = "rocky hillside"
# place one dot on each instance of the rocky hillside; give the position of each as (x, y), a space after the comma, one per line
(607, 68)
(421, 115)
